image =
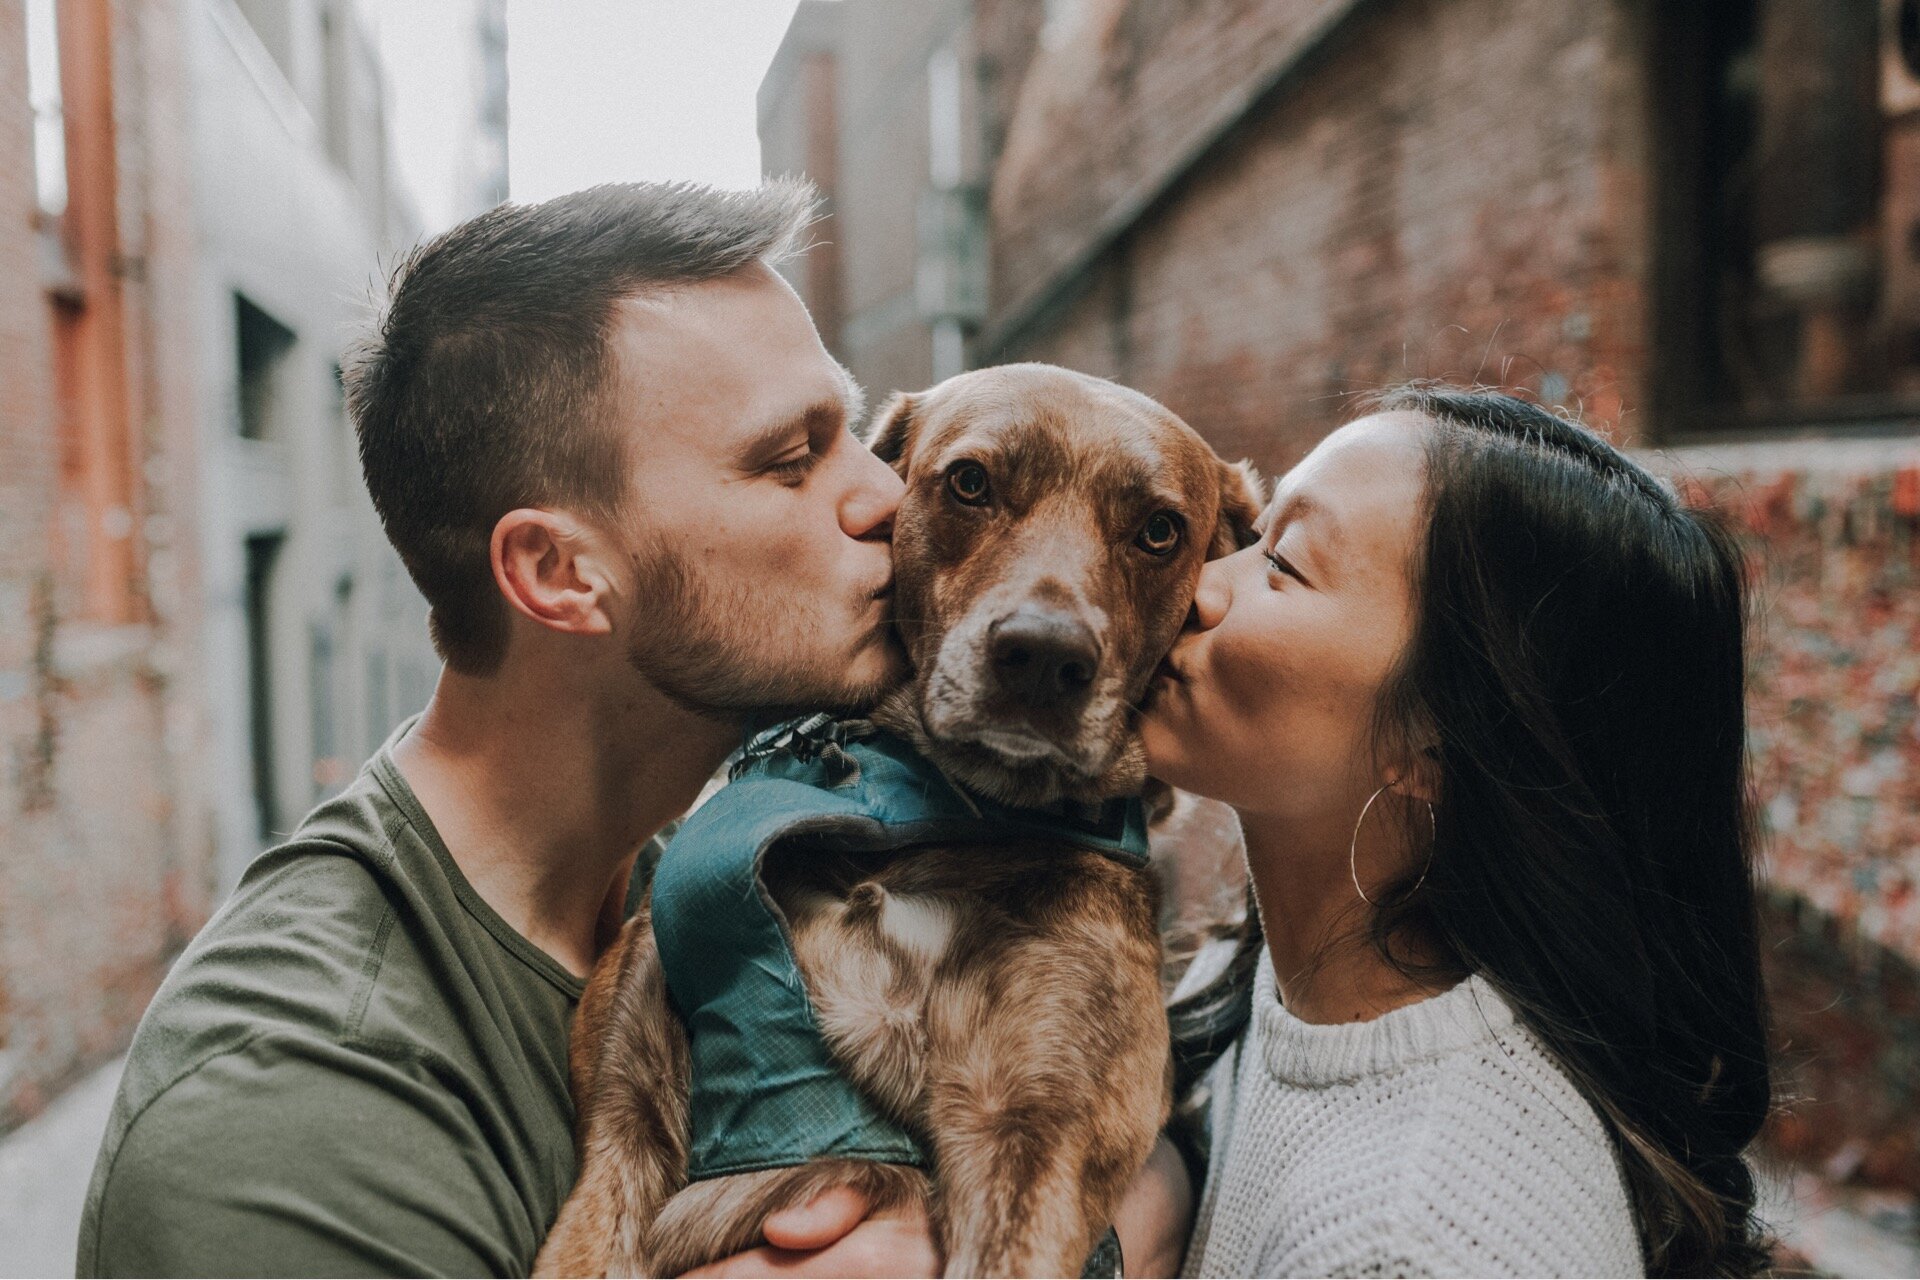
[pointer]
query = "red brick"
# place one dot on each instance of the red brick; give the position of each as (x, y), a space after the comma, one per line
(107, 867)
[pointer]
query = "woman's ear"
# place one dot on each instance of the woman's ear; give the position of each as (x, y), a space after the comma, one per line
(890, 436)
(1421, 779)
(1242, 496)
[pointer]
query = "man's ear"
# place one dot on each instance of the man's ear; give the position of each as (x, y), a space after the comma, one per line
(550, 570)
(1242, 496)
(890, 435)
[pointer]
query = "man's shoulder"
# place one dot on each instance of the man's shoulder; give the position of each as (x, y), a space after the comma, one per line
(351, 1027)
(291, 951)
(290, 1152)
(256, 1026)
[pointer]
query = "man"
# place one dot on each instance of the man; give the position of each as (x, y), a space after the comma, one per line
(608, 444)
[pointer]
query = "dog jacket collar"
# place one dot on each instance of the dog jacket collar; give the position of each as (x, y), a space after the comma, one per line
(764, 1092)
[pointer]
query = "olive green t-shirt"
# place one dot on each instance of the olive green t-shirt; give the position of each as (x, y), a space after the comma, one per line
(357, 1068)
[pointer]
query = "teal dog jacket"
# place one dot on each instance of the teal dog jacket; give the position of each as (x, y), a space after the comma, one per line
(765, 1093)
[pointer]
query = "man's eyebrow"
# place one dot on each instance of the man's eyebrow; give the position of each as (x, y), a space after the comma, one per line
(777, 438)
(856, 407)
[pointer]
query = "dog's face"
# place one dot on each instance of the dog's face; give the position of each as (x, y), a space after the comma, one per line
(1045, 555)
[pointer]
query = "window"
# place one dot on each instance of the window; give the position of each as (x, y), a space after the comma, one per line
(264, 344)
(1787, 237)
(263, 553)
(49, 117)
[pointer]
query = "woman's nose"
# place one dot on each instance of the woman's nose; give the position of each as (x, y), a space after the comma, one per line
(1213, 595)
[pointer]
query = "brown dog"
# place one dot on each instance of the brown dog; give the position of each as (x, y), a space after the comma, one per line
(1002, 1003)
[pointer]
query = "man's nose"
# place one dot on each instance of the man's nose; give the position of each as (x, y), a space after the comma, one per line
(867, 510)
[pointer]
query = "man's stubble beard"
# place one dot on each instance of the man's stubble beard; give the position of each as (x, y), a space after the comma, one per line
(718, 652)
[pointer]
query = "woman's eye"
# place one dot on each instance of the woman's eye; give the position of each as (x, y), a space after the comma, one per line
(1280, 565)
(1160, 535)
(967, 481)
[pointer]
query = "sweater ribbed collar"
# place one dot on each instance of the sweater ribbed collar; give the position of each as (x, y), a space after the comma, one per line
(1306, 1053)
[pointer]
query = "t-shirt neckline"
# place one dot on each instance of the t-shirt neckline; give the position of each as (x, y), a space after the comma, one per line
(394, 783)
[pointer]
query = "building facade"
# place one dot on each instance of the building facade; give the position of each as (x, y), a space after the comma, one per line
(1693, 225)
(297, 205)
(874, 102)
(202, 629)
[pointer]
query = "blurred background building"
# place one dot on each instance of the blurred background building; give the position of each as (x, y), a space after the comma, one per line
(1697, 225)
(202, 629)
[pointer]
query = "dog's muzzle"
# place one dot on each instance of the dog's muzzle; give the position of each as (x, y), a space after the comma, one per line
(1043, 660)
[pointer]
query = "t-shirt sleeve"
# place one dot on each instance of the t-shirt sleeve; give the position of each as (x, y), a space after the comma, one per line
(305, 1158)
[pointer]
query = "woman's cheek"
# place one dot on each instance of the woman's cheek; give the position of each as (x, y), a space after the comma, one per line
(1257, 693)
(1183, 730)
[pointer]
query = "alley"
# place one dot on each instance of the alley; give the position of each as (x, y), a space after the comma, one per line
(44, 1167)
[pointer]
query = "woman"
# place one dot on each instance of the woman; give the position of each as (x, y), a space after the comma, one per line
(1476, 695)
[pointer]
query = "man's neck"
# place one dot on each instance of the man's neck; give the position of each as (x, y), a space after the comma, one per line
(544, 787)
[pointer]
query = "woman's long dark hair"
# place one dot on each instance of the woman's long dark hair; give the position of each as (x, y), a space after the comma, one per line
(1578, 656)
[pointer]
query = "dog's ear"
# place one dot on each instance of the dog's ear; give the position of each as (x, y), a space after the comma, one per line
(1242, 496)
(890, 435)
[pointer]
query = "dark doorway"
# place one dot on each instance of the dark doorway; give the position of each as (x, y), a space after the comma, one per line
(264, 344)
(263, 553)
(1786, 232)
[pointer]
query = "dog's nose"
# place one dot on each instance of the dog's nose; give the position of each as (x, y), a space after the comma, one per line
(1042, 657)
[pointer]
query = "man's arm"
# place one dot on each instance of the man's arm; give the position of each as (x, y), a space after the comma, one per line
(297, 1157)
(833, 1236)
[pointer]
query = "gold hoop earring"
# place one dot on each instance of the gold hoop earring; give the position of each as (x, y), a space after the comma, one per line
(1353, 847)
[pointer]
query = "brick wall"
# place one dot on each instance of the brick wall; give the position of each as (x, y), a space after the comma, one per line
(1847, 1049)
(1439, 189)
(25, 471)
(1097, 104)
(104, 875)
(1834, 531)
(27, 479)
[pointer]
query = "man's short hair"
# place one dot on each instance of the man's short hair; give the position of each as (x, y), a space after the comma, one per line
(485, 386)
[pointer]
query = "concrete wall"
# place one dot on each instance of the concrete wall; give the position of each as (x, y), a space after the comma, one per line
(284, 225)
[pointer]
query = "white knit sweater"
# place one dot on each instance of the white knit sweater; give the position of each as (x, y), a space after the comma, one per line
(1438, 1139)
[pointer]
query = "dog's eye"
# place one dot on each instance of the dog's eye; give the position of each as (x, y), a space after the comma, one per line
(967, 481)
(1160, 535)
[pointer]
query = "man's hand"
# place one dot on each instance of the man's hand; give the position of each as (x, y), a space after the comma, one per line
(834, 1236)
(1155, 1217)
